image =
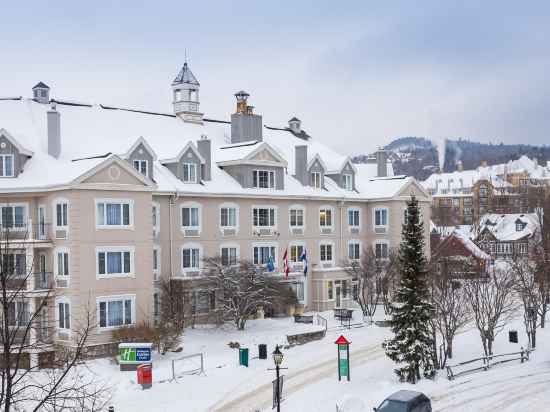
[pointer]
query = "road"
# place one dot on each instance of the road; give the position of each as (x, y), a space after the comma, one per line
(261, 397)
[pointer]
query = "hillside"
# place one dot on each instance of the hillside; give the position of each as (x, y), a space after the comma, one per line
(420, 156)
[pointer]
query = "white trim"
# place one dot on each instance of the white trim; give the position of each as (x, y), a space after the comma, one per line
(270, 245)
(189, 145)
(353, 209)
(139, 165)
(156, 227)
(312, 162)
(191, 245)
(191, 205)
(269, 173)
(61, 201)
(354, 242)
(331, 226)
(13, 141)
(333, 251)
(275, 216)
(122, 202)
(341, 169)
(123, 164)
(297, 207)
(382, 242)
(265, 146)
(120, 249)
(111, 298)
(3, 170)
(158, 270)
(64, 300)
(140, 140)
(25, 207)
(229, 205)
(291, 244)
(234, 245)
(374, 210)
(350, 176)
(56, 251)
(314, 183)
(189, 165)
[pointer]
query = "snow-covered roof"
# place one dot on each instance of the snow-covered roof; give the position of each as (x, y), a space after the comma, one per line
(93, 132)
(506, 227)
(469, 244)
(461, 182)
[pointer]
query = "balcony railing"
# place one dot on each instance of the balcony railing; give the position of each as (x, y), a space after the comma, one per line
(19, 231)
(42, 281)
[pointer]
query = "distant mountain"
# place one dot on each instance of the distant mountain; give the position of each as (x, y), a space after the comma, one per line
(420, 156)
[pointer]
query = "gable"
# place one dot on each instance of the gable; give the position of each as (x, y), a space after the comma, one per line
(316, 167)
(189, 156)
(264, 156)
(414, 189)
(113, 174)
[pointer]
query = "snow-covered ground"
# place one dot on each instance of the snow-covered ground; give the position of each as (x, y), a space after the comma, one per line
(311, 382)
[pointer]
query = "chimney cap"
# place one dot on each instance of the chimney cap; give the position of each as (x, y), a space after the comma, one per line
(41, 85)
(294, 119)
(242, 95)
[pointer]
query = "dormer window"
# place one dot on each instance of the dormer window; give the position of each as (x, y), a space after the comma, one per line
(189, 173)
(6, 165)
(348, 182)
(316, 180)
(263, 179)
(141, 167)
(519, 225)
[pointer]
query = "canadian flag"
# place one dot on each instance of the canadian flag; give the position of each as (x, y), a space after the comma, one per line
(285, 263)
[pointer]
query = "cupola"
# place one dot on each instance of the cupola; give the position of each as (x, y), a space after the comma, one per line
(185, 88)
(41, 93)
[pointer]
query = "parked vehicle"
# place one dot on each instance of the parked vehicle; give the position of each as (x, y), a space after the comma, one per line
(405, 401)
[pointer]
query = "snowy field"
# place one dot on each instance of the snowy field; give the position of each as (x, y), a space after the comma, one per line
(311, 382)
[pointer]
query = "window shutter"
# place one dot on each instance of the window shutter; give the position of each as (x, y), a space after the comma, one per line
(102, 314)
(126, 262)
(126, 214)
(101, 263)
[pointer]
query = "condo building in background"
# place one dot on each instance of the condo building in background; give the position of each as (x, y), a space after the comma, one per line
(107, 201)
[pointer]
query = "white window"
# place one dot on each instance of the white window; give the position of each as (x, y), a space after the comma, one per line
(13, 216)
(115, 262)
(112, 213)
(191, 216)
(14, 264)
(325, 217)
(155, 214)
(381, 217)
(354, 250)
(263, 216)
(348, 182)
(295, 251)
(61, 263)
(156, 304)
(316, 180)
(263, 179)
(228, 215)
(6, 165)
(190, 257)
(296, 216)
(156, 262)
(263, 253)
(229, 255)
(330, 290)
(61, 213)
(189, 173)
(63, 312)
(381, 250)
(325, 252)
(141, 166)
(353, 218)
(116, 311)
(18, 313)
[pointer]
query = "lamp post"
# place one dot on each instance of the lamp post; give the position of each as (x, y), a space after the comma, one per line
(278, 359)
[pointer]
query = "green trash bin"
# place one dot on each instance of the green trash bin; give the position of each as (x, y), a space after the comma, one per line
(243, 357)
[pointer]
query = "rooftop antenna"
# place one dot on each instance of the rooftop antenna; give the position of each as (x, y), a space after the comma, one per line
(185, 53)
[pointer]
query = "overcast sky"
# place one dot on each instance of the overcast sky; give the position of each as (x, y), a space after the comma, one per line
(357, 73)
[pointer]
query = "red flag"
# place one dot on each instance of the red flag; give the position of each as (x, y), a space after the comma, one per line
(285, 262)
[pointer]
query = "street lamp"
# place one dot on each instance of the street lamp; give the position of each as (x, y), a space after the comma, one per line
(278, 359)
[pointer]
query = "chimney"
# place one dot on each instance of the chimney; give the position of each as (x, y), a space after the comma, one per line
(245, 125)
(459, 166)
(300, 159)
(295, 125)
(204, 146)
(381, 163)
(54, 132)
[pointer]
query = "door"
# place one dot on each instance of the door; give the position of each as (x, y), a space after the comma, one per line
(338, 296)
(41, 222)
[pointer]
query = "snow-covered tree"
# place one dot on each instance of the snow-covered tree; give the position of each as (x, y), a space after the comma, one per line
(412, 344)
(243, 288)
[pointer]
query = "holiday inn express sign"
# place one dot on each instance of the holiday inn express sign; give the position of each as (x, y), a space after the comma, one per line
(134, 353)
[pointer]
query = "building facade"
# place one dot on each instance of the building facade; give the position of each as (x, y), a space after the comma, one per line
(107, 201)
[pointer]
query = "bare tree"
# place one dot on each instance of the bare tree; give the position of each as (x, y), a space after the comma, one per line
(26, 337)
(525, 272)
(368, 275)
(492, 304)
(241, 289)
(390, 278)
(540, 250)
(452, 311)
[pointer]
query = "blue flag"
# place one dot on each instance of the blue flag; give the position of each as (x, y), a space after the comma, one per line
(270, 264)
(303, 258)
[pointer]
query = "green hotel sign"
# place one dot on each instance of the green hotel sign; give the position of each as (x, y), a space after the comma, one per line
(134, 353)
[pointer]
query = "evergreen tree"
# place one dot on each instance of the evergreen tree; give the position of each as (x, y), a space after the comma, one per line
(412, 344)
